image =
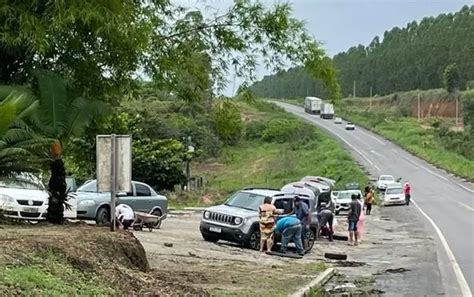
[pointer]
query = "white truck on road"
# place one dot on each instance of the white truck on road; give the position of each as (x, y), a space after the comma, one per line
(312, 105)
(327, 111)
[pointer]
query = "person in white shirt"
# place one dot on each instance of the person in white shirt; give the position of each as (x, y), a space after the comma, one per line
(125, 215)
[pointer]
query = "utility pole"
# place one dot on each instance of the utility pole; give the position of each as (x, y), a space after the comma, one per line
(371, 91)
(419, 105)
(354, 89)
(457, 111)
(370, 100)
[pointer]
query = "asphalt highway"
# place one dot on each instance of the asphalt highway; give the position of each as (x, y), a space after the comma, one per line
(444, 202)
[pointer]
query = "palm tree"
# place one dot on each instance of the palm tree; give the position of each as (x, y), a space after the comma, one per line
(60, 116)
(19, 146)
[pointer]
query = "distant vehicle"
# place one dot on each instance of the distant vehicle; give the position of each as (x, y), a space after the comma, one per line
(337, 120)
(344, 198)
(25, 197)
(237, 219)
(393, 195)
(312, 105)
(327, 111)
(350, 126)
(383, 181)
(93, 205)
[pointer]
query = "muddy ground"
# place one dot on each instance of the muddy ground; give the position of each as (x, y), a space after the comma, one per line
(394, 252)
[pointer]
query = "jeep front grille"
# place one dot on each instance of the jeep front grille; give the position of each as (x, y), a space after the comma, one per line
(221, 218)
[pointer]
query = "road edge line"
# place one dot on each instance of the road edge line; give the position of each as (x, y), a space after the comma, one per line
(318, 282)
(463, 286)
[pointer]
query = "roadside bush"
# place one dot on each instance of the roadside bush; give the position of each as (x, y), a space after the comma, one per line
(281, 130)
(468, 109)
(227, 122)
(254, 130)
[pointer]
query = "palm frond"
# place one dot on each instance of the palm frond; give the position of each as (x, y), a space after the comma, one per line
(82, 112)
(53, 110)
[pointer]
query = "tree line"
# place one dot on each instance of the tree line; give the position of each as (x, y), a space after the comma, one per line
(413, 57)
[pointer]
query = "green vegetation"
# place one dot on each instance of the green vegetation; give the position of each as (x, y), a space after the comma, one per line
(409, 58)
(432, 139)
(278, 148)
(51, 276)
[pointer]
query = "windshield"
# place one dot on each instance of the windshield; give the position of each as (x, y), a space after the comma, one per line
(345, 195)
(90, 187)
(21, 184)
(245, 200)
(386, 178)
(394, 191)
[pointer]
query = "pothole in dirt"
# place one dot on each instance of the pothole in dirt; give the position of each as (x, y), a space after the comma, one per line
(393, 270)
(348, 263)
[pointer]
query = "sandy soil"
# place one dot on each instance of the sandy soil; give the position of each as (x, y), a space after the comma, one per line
(393, 251)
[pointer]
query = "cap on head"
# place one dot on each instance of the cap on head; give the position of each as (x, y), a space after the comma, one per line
(353, 196)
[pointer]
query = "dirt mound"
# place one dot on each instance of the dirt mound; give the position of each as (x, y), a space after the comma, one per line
(117, 259)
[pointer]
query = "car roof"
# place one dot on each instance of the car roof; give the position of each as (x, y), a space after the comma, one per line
(263, 192)
(394, 185)
(350, 191)
(386, 175)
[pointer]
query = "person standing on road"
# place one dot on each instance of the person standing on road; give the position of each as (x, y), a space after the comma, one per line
(361, 221)
(369, 199)
(325, 216)
(290, 229)
(407, 191)
(353, 218)
(267, 213)
(304, 215)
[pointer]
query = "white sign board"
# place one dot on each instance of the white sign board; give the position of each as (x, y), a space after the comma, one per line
(123, 165)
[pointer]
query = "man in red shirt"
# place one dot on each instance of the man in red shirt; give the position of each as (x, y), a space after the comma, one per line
(407, 191)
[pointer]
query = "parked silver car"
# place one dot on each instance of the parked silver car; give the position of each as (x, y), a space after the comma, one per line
(92, 205)
(237, 219)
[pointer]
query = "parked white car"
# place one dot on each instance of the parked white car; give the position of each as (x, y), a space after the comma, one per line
(25, 197)
(350, 126)
(338, 121)
(344, 198)
(394, 195)
(383, 181)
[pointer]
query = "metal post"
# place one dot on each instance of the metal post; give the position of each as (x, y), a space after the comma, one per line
(113, 177)
(370, 91)
(354, 89)
(419, 107)
(457, 111)
(188, 169)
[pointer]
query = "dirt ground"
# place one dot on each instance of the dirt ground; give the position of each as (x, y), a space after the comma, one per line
(393, 251)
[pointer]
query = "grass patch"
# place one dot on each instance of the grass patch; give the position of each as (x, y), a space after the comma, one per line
(273, 158)
(53, 279)
(421, 139)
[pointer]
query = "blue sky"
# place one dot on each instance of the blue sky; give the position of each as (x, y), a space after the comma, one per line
(340, 24)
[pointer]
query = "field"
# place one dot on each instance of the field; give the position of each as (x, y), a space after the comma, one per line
(277, 149)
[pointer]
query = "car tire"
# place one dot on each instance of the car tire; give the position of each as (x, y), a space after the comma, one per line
(103, 216)
(254, 239)
(209, 238)
(157, 213)
(311, 235)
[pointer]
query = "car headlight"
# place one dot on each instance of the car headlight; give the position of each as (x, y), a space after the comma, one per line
(206, 215)
(237, 220)
(88, 202)
(6, 199)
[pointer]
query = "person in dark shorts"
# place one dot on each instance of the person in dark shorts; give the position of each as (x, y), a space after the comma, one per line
(304, 215)
(353, 218)
(125, 216)
(325, 217)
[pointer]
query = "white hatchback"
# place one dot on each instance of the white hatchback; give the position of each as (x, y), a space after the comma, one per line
(394, 195)
(383, 181)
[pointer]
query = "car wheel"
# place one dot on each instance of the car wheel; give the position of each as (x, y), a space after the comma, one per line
(311, 235)
(157, 213)
(254, 240)
(209, 238)
(103, 216)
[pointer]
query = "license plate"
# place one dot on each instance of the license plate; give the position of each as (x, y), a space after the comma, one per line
(215, 229)
(30, 209)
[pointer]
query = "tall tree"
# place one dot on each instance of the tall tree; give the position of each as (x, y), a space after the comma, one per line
(451, 78)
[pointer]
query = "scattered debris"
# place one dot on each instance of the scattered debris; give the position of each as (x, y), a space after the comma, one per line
(348, 264)
(168, 244)
(335, 256)
(397, 270)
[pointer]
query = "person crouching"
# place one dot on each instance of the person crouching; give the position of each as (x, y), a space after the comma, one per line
(290, 229)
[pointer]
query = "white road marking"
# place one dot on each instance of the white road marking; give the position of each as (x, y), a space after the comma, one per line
(464, 205)
(463, 286)
(371, 136)
(375, 153)
(433, 173)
